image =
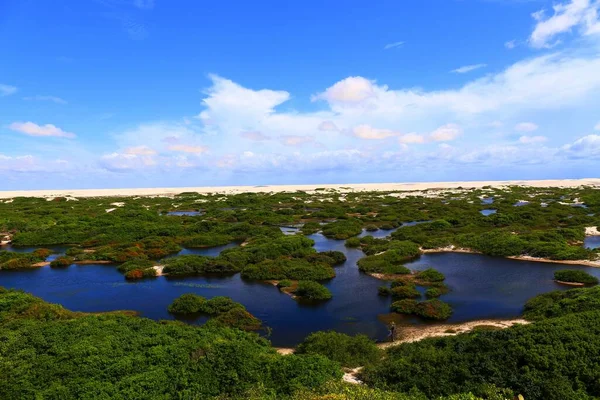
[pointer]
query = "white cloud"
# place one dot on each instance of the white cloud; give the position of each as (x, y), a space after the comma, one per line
(370, 133)
(411, 138)
(140, 151)
(353, 89)
(393, 45)
(328, 126)
(32, 129)
(468, 68)
(586, 147)
(581, 14)
(7, 90)
(52, 99)
(184, 148)
(526, 127)
(511, 44)
(30, 163)
(446, 133)
(597, 127)
(255, 135)
(124, 162)
(532, 139)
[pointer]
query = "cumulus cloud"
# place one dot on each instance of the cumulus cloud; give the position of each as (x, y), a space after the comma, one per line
(7, 90)
(446, 133)
(597, 127)
(585, 147)
(468, 68)
(526, 127)
(353, 89)
(52, 99)
(370, 133)
(32, 129)
(532, 139)
(580, 14)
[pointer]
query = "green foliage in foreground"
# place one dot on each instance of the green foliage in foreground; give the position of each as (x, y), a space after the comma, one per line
(576, 276)
(349, 351)
(554, 358)
(48, 352)
(560, 303)
(311, 290)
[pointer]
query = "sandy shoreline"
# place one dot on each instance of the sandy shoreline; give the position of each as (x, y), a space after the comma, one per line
(410, 334)
(409, 186)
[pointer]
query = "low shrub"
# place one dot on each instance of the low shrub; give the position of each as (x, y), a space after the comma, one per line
(430, 275)
(62, 262)
(349, 351)
(311, 290)
(575, 276)
(353, 242)
(405, 292)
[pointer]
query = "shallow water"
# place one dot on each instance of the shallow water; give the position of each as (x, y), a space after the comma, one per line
(592, 242)
(488, 212)
(185, 213)
(481, 287)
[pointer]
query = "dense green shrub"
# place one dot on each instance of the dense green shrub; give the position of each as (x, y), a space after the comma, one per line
(389, 262)
(198, 265)
(116, 356)
(188, 303)
(286, 268)
(405, 292)
(207, 240)
(548, 360)
(433, 292)
(434, 309)
(342, 229)
(349, 351)
(61, 262)
(311, 290)
(560, 303)
(406, 306)
(353, 242)
(576, 276)
(430, 275)
(384, 291)
(240, 319)
(285, 283)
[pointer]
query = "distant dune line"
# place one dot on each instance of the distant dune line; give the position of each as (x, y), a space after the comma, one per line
(408, 186)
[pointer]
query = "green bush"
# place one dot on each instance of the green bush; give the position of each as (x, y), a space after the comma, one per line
(188, 303)
(353, 242)
(240, 319)
(430, 275)
(406, 306)
(560, 303)
(342, 229)
(61, 262)
(576, 276)
(405, 292)
(431, 293)
(349, 351)
(311, 290)
(434, 309)
(285, 283)
(286, 268)
(384, 291)
(198, 265)
(389, 262)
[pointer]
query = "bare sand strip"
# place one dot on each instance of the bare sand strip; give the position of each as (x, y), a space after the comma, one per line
(414, 186)
(410, 334)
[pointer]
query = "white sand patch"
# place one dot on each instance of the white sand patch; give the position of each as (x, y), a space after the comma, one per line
(387, 187)
(592, 231)
(108, 210)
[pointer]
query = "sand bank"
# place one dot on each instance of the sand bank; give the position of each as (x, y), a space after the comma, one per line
(415, 186)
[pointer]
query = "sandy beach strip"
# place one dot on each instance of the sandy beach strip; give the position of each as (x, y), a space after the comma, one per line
(360, 187)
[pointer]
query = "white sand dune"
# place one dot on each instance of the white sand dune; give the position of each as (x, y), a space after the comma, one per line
(400, 187)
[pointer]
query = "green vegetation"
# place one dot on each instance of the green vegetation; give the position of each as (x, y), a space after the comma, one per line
(429, 309)
(118, 356)
(286, 283)
(311, 290)
(575, 276)
(353, 242)
(553, 358)
(343, 229)
(198, 265)
(286, 268)
(430, 275)
(10, 260)
(561, 303)
(349, 351)
(61, 262)
(190, 303)
(405, 292)
(390, 262)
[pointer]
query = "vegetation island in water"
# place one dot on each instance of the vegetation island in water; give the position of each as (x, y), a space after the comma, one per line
(47, 351)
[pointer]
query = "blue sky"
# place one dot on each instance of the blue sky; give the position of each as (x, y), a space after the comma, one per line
(142, 93)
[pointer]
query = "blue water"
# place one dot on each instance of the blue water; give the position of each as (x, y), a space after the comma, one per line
(592, 242)
(481, 287)
(488, 212)
(185, 213)
(487, 200)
